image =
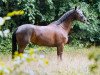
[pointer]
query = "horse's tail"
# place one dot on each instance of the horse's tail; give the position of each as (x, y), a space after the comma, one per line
(14, 44)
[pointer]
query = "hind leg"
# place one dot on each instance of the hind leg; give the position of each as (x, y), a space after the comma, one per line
(21, 48)
(22, 42)
(21, 45)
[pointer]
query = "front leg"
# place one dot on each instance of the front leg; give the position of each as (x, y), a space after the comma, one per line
(60, 51)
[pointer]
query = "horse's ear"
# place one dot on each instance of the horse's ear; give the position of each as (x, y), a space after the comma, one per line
(75, 7)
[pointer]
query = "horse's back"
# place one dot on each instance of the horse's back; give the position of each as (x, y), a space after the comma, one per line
(41, 35)
(24, 28)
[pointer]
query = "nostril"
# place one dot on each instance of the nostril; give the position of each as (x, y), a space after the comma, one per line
(88, 20)
(84, 20)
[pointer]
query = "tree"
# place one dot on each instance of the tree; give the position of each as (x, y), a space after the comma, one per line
(43, 12)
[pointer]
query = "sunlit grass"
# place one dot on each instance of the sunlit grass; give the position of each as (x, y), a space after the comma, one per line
(75, 62)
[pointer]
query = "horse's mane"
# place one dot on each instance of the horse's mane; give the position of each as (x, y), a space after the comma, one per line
(63, 17)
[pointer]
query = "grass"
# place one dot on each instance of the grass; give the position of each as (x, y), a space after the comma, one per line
(75, 62)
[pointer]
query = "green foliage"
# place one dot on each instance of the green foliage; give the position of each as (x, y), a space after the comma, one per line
(42, 12)
(46, 11)
(5, 44)
(95, 57)
(87, 33)
(5, 36)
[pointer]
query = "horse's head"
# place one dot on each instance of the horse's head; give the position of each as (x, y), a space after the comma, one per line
(80, 16)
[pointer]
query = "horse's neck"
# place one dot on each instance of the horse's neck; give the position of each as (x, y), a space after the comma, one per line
(67, 25)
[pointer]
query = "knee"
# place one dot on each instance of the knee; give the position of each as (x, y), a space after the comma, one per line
(59, 53)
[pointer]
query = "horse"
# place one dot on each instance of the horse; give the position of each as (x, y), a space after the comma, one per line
(54, 34)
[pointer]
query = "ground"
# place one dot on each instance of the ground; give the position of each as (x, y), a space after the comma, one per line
(74, 62)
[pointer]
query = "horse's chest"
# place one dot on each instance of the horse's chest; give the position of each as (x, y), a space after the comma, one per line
(65, 38)
(62, 38)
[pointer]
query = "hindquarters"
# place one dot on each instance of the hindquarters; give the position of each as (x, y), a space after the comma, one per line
(23, 35)
(23, 38)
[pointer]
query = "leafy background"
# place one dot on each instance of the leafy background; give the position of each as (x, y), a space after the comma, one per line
(43, 12)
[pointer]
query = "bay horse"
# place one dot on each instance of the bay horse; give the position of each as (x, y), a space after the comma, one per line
(53, 35)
